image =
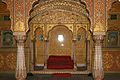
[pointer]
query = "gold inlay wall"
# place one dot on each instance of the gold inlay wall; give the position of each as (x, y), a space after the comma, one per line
(55, 47)
(81, 47)
(54, 21)
(39, 49)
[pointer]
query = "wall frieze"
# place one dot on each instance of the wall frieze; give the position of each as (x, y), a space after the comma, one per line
(59, 5)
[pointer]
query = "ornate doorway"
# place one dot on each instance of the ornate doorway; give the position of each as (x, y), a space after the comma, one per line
(61, 19)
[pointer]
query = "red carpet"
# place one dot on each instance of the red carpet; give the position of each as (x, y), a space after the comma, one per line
(61, 75)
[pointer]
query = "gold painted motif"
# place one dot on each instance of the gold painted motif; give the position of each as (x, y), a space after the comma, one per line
(108, 61)
(55, 47)
(51, 26)
(60, 17)
(11, 61)
(81, 47)
(53, 4)
(34, 28)
(19, 26)
(39, 47)
(99, 27)
(118, 60)
(1, 61)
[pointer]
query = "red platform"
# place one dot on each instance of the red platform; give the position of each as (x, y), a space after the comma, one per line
(61, 75)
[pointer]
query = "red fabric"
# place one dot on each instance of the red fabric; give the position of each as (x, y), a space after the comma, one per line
(61, 75)
(60, 62)
(59, 66)
(59, 58)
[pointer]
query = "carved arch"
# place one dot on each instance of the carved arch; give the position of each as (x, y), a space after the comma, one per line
(108, 7)
(10, 8)
(59, 26)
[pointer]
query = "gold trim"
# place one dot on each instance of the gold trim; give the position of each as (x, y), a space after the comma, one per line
(12, 50)
(111, 49)
(46, 71)
(19, 27)
(111, 71)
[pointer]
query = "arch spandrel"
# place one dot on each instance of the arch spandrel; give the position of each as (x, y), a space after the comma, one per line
(33, 29)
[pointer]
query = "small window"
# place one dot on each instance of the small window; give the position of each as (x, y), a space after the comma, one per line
(113, 17)
(6, 18)
(7, 39)
(79, 37)
(112, 38)
(60, 38)
(41, 38)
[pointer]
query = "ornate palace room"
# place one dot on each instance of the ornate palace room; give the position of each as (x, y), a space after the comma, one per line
(59, 40)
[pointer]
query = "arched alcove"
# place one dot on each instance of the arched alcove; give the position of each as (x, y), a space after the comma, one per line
(61, 48)
(68, 19)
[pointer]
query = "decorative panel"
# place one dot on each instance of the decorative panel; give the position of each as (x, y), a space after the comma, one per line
(8, 61)
(81, 47)
(58, 16)
(39, 47)
(111, 61)
(60, 48)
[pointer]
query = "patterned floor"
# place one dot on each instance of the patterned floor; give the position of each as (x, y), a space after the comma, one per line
(4, 76)
(48, 77)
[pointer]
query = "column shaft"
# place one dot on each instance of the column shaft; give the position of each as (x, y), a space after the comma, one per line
(20, 67)
(98, 72)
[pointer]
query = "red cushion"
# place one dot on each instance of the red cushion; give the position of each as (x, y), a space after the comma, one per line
(59, 66)
(59, 58)
(71, 62)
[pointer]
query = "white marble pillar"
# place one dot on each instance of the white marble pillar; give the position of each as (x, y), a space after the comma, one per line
(20, 66)
(98, 72)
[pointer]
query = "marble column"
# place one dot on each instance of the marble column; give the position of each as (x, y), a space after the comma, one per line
(20, 65)
(98, 72)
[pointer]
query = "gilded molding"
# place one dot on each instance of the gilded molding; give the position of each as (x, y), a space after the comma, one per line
(99, 27)
(19, 26)
(57, 5)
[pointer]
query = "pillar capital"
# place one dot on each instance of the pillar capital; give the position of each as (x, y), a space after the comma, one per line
(98, 37)
(20, 36)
